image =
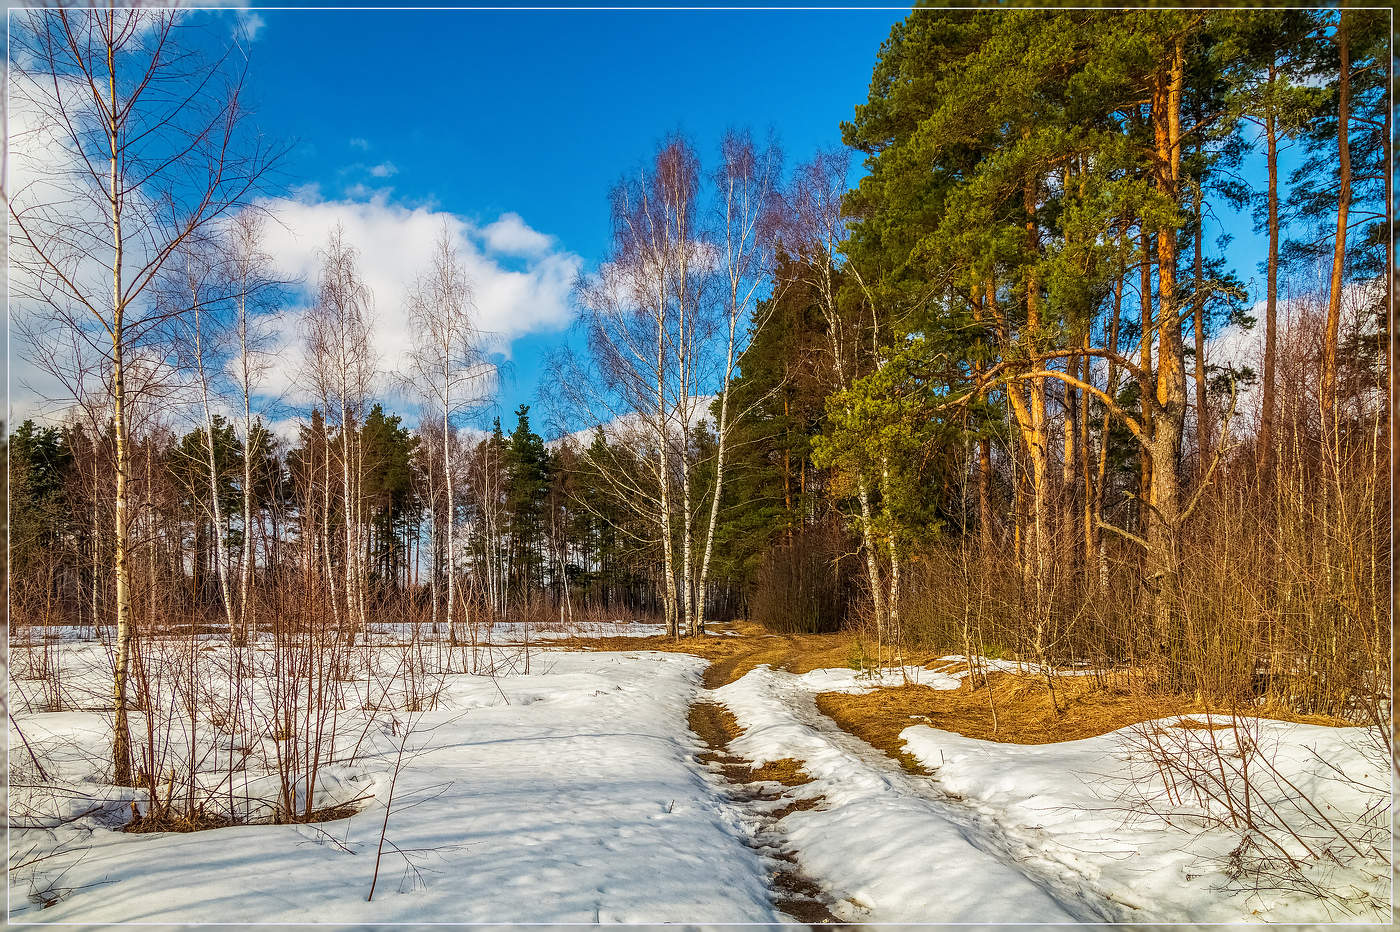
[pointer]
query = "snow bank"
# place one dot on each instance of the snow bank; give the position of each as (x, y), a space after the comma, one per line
(1068, 804)
(879, 840)
(570, 795)
(517, 632)
(991, 665)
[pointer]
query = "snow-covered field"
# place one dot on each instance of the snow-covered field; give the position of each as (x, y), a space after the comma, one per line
(573, 793)
(568, 795)
(505, 632)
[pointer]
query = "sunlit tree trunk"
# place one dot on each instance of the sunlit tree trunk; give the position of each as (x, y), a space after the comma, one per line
(1267, 402)
(1164, 446)
(1339, 248)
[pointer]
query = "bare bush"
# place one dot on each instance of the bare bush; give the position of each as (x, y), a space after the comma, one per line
(804, 584)
(1273, 818)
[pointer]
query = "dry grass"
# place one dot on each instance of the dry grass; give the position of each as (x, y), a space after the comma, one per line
(787, 771)
(202, 821)
(1083, 707)
(731, 657)
(715, 724)
(199, 822)
(1024, 713)
(798, 805)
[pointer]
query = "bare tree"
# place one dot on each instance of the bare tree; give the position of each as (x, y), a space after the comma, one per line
(449, 373)
(341, 369)
(134, 142)
(639, 320)
(199, 290)
(746, 221)
(247, 270)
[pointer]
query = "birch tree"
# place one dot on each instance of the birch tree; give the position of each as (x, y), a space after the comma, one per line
(638, 317)
(201, 292)
(341, 369)
(133, 139)
(449, 374)
(746, 224)
(247, 271)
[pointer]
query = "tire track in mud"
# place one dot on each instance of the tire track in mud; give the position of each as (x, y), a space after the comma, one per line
(801, 896)
(750, 788)
(1038, 860)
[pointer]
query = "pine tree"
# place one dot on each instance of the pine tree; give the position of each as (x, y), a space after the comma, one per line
(528, 470)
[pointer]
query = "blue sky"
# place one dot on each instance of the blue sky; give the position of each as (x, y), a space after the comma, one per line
(538, 113)
(509, 127)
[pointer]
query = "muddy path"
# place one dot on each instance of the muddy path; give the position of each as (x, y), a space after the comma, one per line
(759, 793)
(735, 648)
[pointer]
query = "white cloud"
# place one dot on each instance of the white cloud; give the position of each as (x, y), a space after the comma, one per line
(359, 142)
(631, 428)
(250, 25)
(384, 170)
(1238, 347)
(359, 191)
(510, 236)
(394, 244)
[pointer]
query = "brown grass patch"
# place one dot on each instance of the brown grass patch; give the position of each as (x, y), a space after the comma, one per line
(798, 805)
(146, 824)
(731, 657)
(715, 724)
(877, 720)
(787, 771)
(796, 653)
(200, 822)
(1024, 713)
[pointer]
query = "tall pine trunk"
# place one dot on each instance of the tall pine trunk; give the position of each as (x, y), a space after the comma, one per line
(1270, 375)
(1339, 248)
(1198, 313)
(1169, 421)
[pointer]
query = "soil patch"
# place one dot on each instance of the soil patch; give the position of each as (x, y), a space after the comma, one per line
(800, 898)
(715, 724)
(787, 771)
(798, 805)
(793, 893)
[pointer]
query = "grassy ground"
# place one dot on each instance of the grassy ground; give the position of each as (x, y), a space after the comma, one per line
(1006, 707)
(732, 656)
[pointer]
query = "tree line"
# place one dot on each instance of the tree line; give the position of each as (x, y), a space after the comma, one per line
(977, 398)
(1040, 388)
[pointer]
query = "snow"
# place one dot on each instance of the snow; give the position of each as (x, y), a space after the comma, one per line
(572, 793)
(501, 632)
(1064, 805)
(569, 795)
(879, 841)
(842, 680)
(514, 632)
(1002, 665)
(1027, 833)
